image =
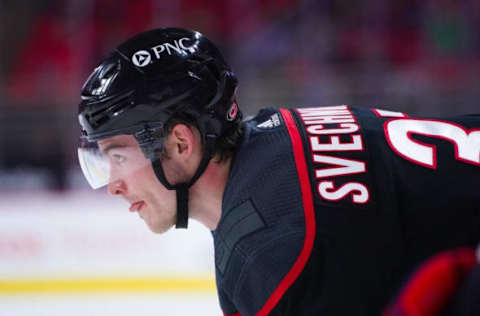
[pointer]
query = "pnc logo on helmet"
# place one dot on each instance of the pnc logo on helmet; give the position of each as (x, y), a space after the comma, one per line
(141, 58)
(178, 47)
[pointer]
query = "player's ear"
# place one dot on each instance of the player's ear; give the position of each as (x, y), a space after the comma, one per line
(182, 141)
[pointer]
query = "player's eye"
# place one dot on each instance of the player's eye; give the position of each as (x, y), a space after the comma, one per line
(119, 159)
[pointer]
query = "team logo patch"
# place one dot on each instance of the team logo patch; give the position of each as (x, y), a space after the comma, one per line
(141, 58)
(272, 122)
(232, 113)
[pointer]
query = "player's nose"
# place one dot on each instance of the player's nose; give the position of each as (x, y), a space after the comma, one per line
(117, 187)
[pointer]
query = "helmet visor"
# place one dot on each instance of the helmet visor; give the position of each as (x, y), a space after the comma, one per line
(95, 167)
(118, 158)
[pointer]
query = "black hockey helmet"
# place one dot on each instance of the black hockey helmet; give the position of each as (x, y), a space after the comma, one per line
(142, 84)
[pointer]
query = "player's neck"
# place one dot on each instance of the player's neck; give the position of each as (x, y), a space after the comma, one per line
(207, 193)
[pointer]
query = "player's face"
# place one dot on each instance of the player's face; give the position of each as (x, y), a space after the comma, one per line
(133, 178)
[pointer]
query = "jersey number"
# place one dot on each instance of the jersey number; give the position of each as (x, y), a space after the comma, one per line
(398, 133)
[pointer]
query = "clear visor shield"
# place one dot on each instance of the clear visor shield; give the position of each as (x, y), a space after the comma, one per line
(116, 159)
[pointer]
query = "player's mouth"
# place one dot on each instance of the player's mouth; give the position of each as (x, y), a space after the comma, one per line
(137, 206)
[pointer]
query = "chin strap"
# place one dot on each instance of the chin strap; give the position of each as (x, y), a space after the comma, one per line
(182, 205)
(182, 188)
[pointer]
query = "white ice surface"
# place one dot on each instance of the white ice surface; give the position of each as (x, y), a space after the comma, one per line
(110, 305)
(45, 235)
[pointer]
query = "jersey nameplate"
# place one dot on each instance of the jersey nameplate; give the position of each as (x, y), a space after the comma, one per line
(332, 131)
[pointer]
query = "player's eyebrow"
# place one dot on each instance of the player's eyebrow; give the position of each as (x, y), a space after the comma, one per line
(110, 147)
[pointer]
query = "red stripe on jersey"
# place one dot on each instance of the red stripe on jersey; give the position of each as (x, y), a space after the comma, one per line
(308, 209)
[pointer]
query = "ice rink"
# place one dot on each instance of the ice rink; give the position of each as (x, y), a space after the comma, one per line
(113, 305)
(84, 253)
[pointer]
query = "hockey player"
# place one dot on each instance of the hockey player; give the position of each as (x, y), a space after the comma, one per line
(313, 211)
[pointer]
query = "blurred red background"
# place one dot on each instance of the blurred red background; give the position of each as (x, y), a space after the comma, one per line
(416, 56)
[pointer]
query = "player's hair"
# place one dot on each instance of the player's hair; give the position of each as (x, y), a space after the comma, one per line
(225, 145)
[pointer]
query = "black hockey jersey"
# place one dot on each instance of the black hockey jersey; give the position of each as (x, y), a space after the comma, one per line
(327, 210)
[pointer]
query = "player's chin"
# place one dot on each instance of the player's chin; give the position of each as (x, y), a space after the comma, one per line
(159, 228)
